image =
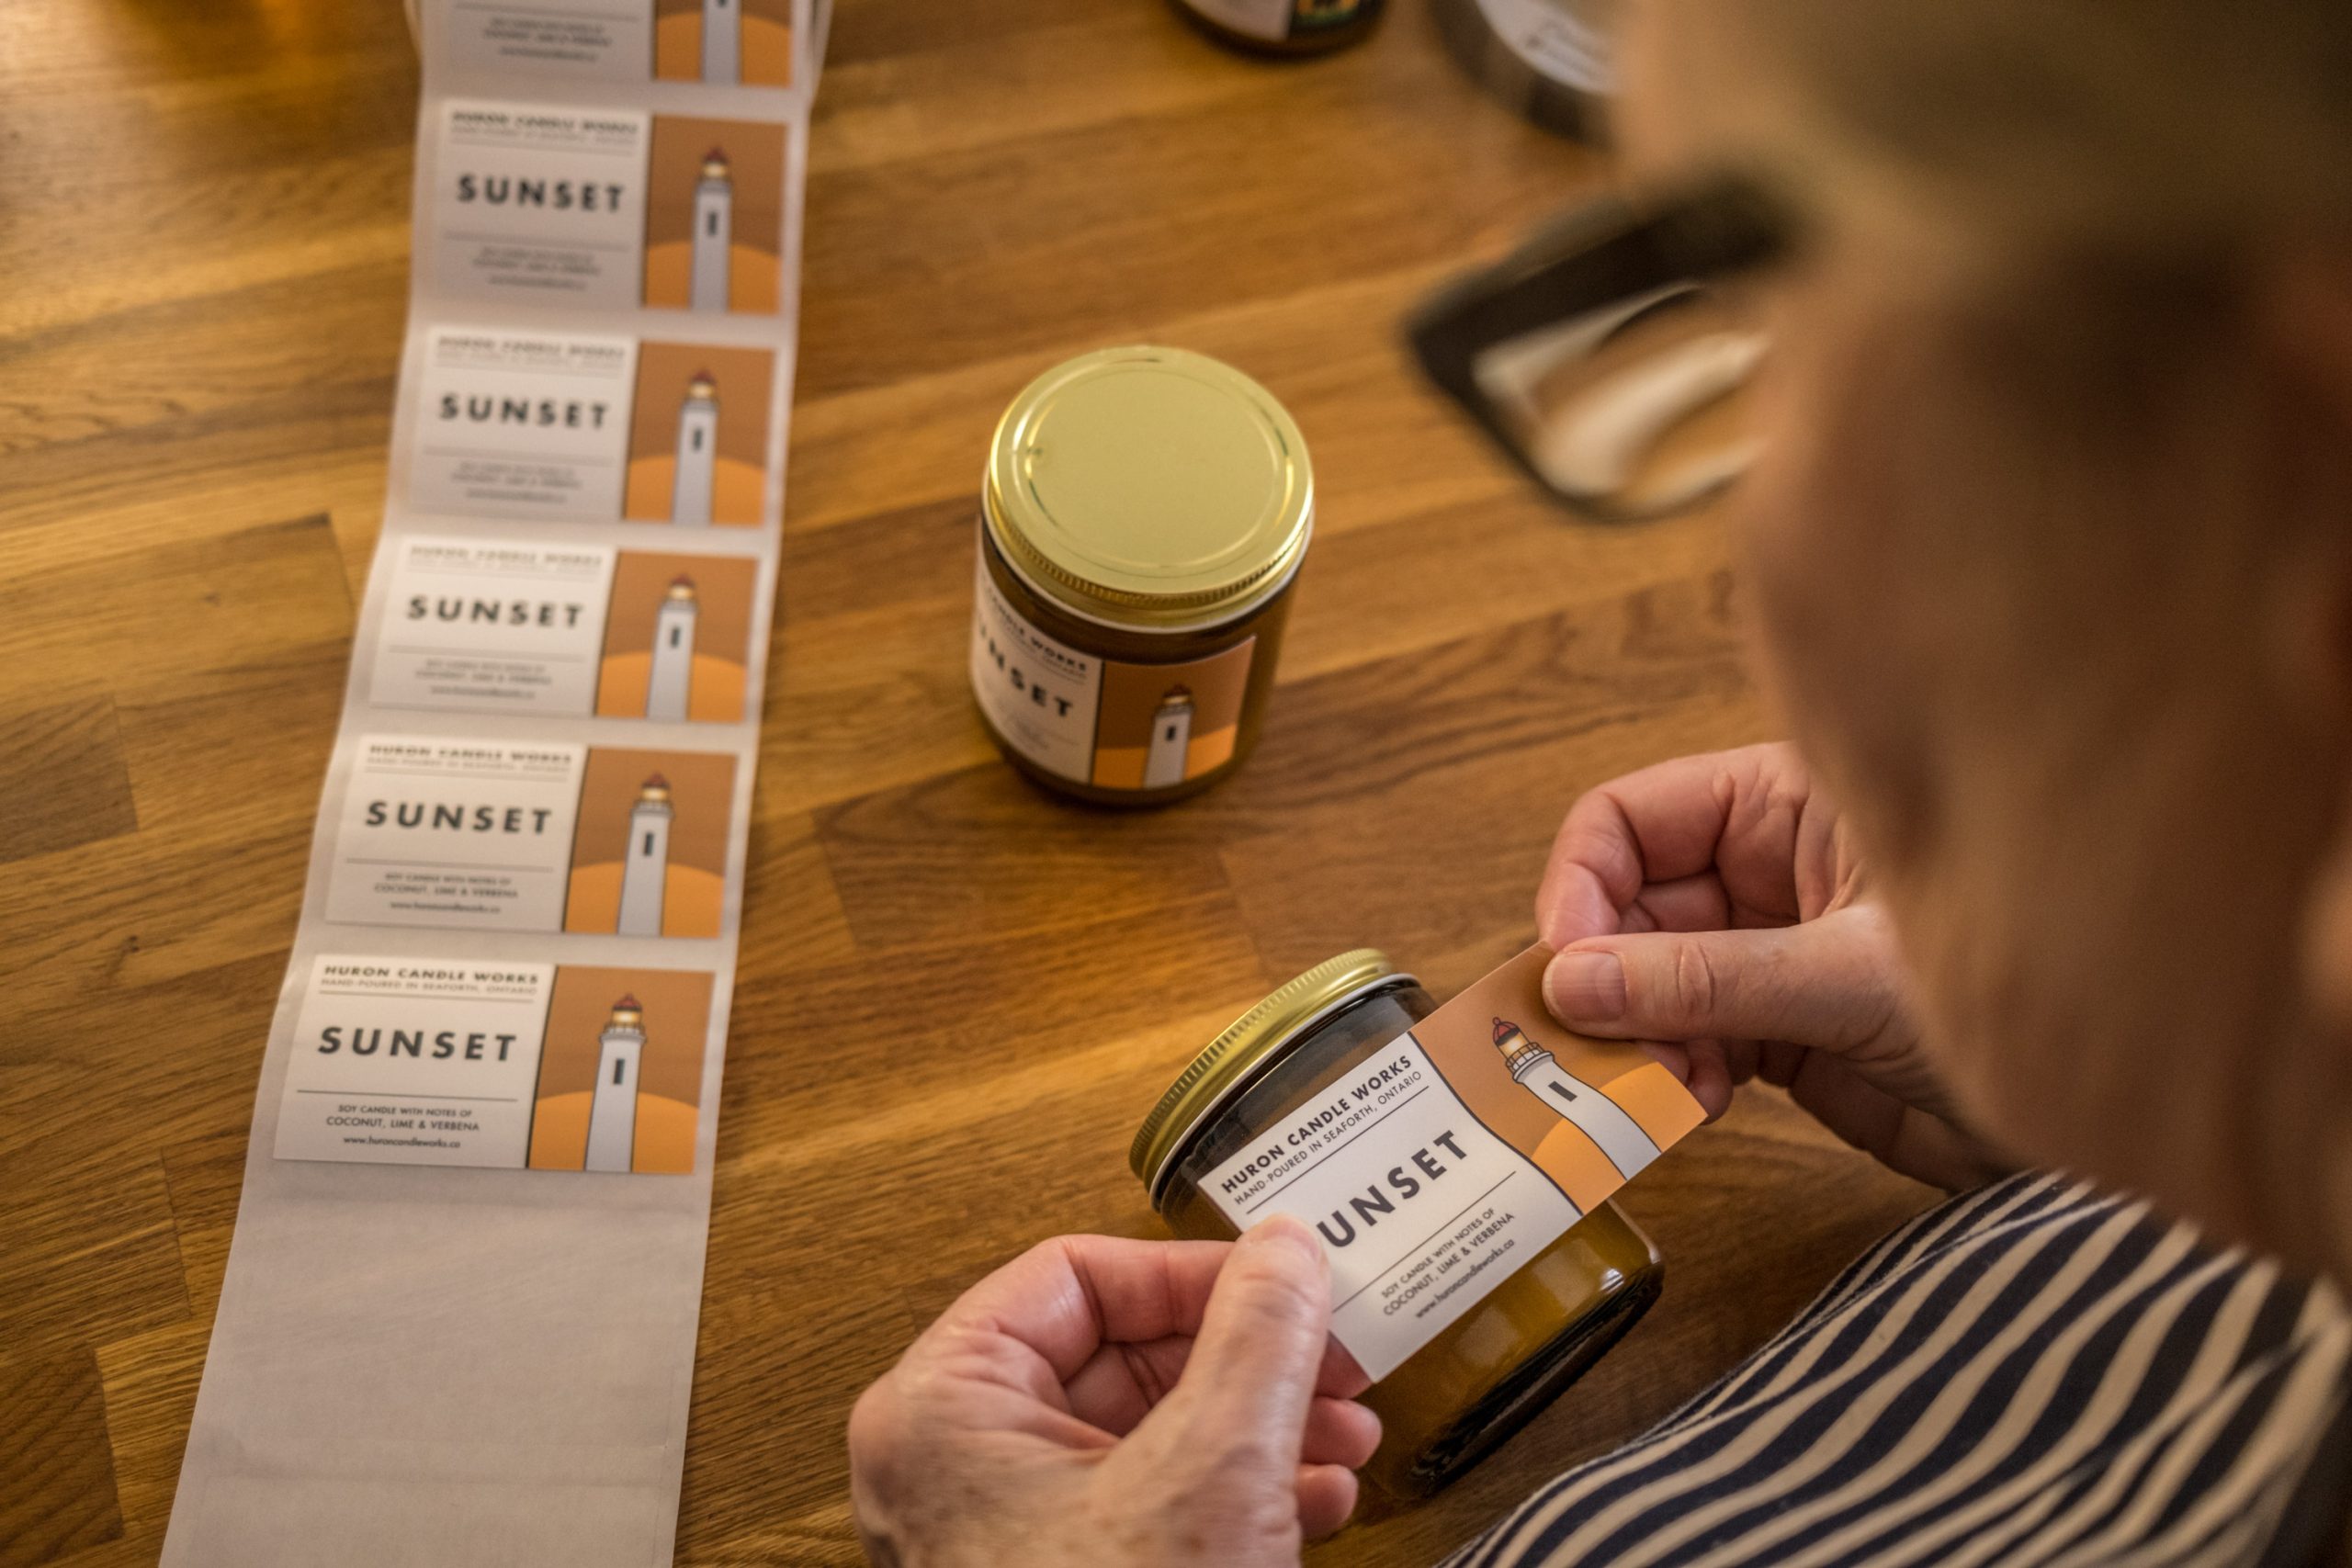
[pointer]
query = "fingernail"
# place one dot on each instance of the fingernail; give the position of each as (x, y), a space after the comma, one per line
(1586, 987)
(1283, 1230)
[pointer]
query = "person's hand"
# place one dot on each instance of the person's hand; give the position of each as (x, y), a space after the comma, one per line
(1713, 909)
(1100, 1401)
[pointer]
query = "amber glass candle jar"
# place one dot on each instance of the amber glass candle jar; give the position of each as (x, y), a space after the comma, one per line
(1142, 522)
(1298, 1059)
(1286, 26)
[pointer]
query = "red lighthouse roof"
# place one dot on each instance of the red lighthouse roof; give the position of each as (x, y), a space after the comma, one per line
(655, 781)
(628, 1003)
(1504, 1030)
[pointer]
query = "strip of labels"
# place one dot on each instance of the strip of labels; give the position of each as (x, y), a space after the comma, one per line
(459, 1320)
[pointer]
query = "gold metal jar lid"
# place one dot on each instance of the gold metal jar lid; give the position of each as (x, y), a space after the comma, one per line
(1149, 488)
(1248, 1046)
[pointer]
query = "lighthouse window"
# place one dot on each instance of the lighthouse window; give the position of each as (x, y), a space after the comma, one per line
(710, 224)
(676, 633)
(649, 845)
(1564, 1091)
(698, 439)
(619, 1067)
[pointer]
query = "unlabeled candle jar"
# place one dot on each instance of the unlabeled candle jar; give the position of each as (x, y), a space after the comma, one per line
(1323, 1081)
(1286, 26)
(1142, 520)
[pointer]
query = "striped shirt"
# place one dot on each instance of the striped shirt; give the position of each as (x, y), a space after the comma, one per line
(2032, 1373)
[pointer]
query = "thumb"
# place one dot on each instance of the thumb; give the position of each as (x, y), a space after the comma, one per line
(1831, 983)
(1253, 1367)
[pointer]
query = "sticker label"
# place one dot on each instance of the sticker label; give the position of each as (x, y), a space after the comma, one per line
(607, 209)
(422, 1061)
(1104, 721)
(713, 216)
(522, 425)
(605, 41)
(534, 424)
(718, 42)
(746, 42)
(541, 204)
(491, 625)
(1439, 1167)
(541, 838)
(513, 626)
(455, 833)
(697, 437)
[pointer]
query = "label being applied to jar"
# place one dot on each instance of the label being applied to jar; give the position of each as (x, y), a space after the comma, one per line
(1103, 722)
(1437, 1168)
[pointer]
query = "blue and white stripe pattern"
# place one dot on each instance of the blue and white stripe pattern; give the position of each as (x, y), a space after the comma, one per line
(2032, 1373)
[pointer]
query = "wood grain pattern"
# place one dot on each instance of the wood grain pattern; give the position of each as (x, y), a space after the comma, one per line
(958, 995)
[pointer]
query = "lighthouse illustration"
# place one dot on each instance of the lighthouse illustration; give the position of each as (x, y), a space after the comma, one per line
(646, 865)
(612, 1113)
(1602, 1119)
(1172, 732)
(713, 232)
(670, 683)
(697, 443)
(722, 41)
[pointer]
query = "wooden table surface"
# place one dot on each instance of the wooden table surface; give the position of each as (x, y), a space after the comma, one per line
(958, 995)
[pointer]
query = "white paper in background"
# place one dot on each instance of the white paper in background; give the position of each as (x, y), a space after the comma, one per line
(490, 625)
(420, 1365)
(523, 424)
(536, 204)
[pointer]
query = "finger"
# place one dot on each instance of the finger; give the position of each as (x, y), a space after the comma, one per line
(1903, 1138)
(1685, 904)
(1710, 1082)
(1829, 983)
(1339, 1431)
(1121, 1383)
(1326, 1495)
(1673, 820)
(1262, 1345)
(1065, 1298)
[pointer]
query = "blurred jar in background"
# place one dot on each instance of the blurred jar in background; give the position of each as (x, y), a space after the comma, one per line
(1547, 59)
(1286, 26)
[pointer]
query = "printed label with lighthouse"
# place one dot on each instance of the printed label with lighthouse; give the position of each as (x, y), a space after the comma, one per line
(1441, 1164)
(517, 626)
(559, 427)
(603, 209)
(406, 1060)
(449, 831)
(731, 43)
(1103, 722)
(714, 219)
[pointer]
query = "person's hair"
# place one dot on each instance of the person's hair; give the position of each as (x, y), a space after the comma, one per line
(2150, 123)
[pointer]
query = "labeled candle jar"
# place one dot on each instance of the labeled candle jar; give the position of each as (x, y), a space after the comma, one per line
(1466, 1280)
(1142, 520)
